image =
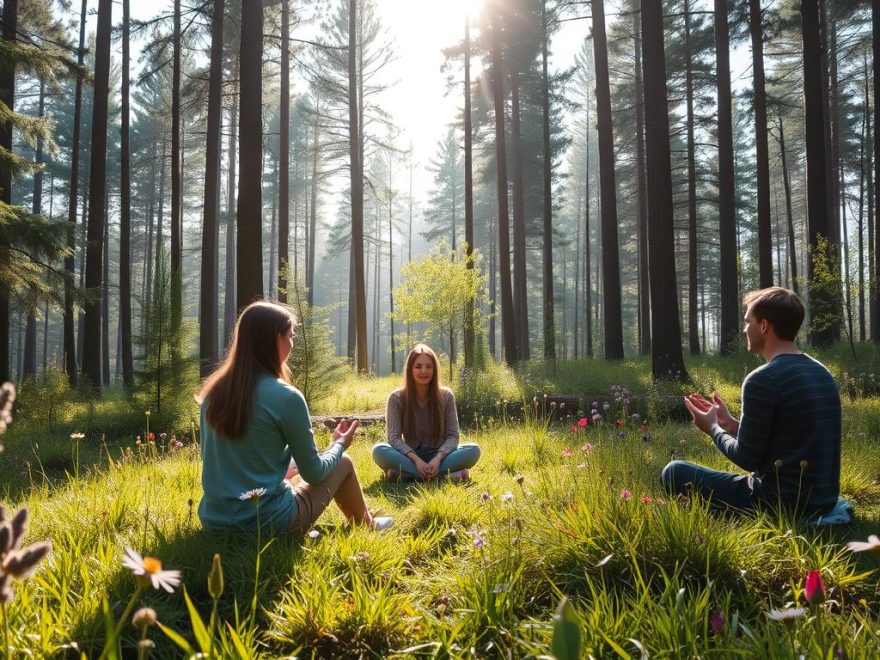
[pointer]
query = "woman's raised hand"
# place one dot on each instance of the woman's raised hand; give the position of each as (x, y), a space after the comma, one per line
(344, 432)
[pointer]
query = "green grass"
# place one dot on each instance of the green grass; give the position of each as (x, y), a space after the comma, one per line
(639, 574)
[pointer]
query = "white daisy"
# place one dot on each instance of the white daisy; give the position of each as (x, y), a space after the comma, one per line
(872, 545)
(787, 615)
(252, 494)
(150, 569)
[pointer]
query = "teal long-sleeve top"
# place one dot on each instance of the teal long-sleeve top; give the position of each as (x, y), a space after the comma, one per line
(279, 428)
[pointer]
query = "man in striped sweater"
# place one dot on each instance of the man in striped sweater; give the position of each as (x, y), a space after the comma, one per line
(788, 436)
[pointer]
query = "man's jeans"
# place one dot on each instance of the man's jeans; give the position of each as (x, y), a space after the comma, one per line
(721, 489)
(388, 458)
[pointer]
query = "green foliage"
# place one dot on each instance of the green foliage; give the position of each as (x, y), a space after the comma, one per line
(41, 399)
(316, 368)
(435, 290)
(566, 632)
(824, 286)
(168, 375)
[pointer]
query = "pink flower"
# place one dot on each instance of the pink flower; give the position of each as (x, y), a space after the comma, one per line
(646, 499)
(566, 453)
(716, 622)
(619, 422)
(587, 447)
(626, 494)
(814, 590)
(573, 429)
(479, 542)
(643, 427)
(583, 421)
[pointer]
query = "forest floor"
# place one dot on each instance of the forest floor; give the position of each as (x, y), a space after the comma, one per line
(477, 570)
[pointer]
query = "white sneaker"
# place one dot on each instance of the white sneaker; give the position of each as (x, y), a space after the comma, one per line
(381, 523)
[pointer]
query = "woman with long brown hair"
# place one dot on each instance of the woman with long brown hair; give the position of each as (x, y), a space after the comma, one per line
(252, 421)
(422, 426)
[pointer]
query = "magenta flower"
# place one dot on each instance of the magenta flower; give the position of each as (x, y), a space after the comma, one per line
(573, 429)
(479, 542)
(583, 421)
(626, 494)
(566, 453)
(716, 622)
(587, 447)
(814, 590)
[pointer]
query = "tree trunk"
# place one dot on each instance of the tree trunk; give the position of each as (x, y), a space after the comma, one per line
(765, 251)
(822, 301)
(209, 310)
(355, 144)
(391, 271)
(508, 327)
(105, 307)
(549, 323)
(91, 354)
(468, 193)
(7, 96)
(588, 271)
(69, 340)
(610, 252)
(30, 339)
(230, 310)
(875, 221)
(861, 280)
(176, 196)
(125, 214)
(644, 284)
(249, 256)
(284, 157)
(666, 356)
(693, 321)
(520, 288)
(727, 235)
(786, 182)
(313, 218)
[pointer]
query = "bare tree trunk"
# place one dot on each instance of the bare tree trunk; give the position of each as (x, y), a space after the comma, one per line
(644, 284)
(862, 319)
(357, 188)
(176, 169)
(666, 356)
(249, 256)
(508, 326)
(727, 233)
(91, 360)
(125, 214)
(30, 340)
(693, 324)
(230, 310)
(549, 322)
(875, 189)
(610, 251)
(588, 271)
(520, 289)
(209, 309)
(7, 95)
(786, 182)
(765, 253)
(105, 308)
(468, 193)
(284, 157)
(313, 219)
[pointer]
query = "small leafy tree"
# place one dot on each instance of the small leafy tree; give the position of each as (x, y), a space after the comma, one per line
(824, 287)
(316, 367)
(436, 289)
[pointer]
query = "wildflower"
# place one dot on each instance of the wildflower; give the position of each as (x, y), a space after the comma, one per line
(646, 499)
(566, 453)
(164, 435)
(17, 562)
(814, 589)
(716, 622)
(606, 406)
(683, 501)
(485, 497)
(519, 479)
(626, 494)
(621, 434)
(76, 437)
(362, 556)
(587, 448)
(137, 440)
(254, 494)
(314, 533)
(507, 497)
(597, 417)
(604, 561)
(583, 421)
(147, 413)
(646, 437)
(643, 427)
(451, 533)
(148, 570)
(479, 542)
(871, 545)
(594, 405)
(151, 437)
(215, 578)
(804, 465)
(619, 422)
(573, 429)
(777, 463)
(144, 618)
(787, 616)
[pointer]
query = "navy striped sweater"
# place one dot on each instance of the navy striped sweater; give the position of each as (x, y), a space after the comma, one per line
(789, 433)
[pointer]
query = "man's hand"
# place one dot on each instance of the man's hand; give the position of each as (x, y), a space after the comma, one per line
(723, 417)
(344, 432)
(704, 416)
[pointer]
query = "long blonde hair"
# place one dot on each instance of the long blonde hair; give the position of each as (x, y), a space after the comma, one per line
(435, 395)
(254, 350)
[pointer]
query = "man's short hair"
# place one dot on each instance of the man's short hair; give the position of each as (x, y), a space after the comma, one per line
(782, 308)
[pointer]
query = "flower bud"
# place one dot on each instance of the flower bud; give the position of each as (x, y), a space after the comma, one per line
(814, 589)
(144, 618)
(21, 564)
(215, 578)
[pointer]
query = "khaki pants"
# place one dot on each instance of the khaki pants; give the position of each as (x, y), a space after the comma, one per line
(312, 499)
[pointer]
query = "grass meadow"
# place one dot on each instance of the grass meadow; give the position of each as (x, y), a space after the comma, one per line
(554, 510)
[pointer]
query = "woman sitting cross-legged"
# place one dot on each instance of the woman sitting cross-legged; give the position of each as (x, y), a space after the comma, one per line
(422, 426)
(252, 421)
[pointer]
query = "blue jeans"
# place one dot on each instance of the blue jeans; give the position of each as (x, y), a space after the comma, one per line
(388, 458)
(722, 489)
